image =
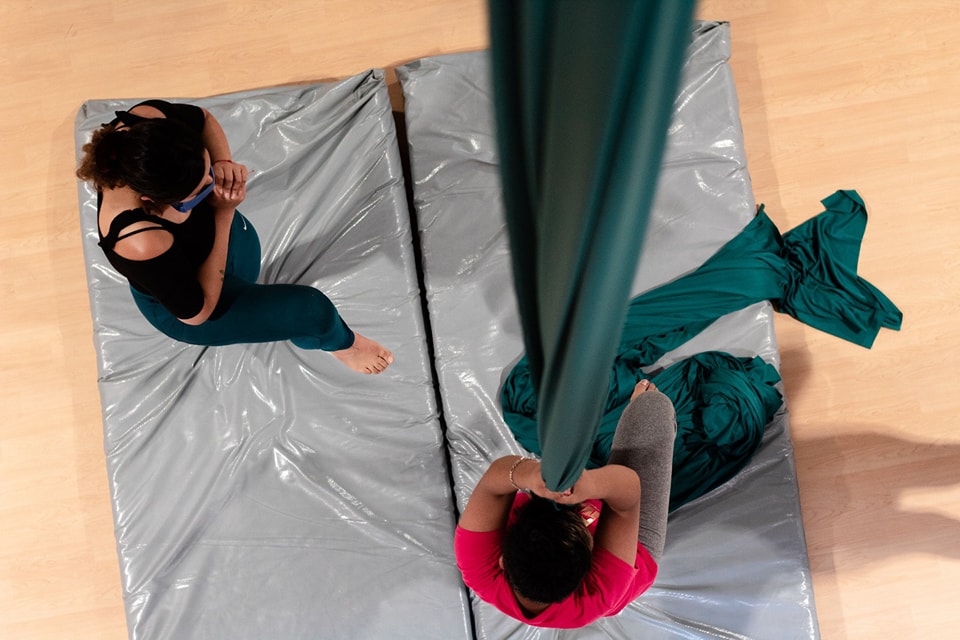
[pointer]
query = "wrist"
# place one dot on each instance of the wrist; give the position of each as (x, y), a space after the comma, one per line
(227, 160)
(224, 213)
(513, 475)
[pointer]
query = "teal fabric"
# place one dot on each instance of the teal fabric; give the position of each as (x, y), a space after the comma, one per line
(584, 92)
(723, 403)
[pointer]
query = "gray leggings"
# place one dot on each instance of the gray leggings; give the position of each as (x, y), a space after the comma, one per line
(644, 442)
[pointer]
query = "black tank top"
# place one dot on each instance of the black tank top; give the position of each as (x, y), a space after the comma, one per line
(171, 277)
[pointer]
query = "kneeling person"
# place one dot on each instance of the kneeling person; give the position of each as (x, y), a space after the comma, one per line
(565, 559)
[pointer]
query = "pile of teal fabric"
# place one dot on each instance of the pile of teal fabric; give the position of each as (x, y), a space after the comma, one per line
(724, 402)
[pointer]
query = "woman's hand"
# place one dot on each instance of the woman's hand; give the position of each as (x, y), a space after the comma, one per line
(585, 488)
(528, 475)
(230, 179)
(227, 200)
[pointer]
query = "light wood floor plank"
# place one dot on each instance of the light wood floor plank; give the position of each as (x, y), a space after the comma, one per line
(834, 94)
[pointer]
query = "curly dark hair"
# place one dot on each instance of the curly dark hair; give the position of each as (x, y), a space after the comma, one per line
(547, 551)
(157, 157)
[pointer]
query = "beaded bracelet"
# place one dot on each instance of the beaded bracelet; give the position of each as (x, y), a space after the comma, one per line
(216, 162)
(514, 468)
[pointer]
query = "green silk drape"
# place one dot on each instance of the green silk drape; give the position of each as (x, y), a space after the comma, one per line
(584, 92)
(723, 403)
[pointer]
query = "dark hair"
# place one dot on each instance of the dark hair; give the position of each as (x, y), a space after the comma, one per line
(547, 551)
(157, 157)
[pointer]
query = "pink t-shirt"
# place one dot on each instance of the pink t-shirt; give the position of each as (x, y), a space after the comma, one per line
(610, 585)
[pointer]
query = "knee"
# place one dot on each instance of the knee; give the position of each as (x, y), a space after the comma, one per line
(655, 411)
(654, 402)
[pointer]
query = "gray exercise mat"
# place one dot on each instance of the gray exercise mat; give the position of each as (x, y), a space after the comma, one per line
(262, 491)
(735, 564)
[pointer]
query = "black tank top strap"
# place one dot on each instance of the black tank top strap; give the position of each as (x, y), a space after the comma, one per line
(126, 218)
(140, 230)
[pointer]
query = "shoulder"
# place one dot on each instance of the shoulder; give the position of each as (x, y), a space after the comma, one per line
(148, 110)
(612, 584)
(610, 566)
(136, 235)
(610, 578)
(144, 240)
(478, 557)
(188, 114)
(477, 547)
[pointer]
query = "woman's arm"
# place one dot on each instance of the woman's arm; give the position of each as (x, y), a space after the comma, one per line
(229, 192)
(617, 486)
(619, 489)
(229, 176)
(211, 273)
(489, 504)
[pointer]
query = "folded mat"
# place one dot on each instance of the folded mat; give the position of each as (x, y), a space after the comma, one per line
(262, 491)
(735, 564)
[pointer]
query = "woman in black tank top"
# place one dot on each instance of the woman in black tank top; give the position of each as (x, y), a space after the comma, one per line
(168, 190)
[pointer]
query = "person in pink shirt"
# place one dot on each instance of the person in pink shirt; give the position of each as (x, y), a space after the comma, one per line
(565, 559)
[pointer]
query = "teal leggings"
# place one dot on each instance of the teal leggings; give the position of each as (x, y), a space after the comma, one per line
(250, 312)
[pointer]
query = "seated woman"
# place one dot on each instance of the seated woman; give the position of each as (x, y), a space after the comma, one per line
(565, 559)
(168, 192)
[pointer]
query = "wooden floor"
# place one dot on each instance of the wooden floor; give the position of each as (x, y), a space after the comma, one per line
(834, 94)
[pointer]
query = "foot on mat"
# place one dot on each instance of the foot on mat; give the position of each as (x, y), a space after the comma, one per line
(365, 355)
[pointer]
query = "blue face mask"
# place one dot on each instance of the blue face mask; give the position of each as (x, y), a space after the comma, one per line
(187, 205)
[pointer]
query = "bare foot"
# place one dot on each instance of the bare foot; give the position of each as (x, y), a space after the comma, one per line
(365, 355)
(643, 385)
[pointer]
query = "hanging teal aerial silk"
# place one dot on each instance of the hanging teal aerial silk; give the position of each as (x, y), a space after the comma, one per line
(723, 403)
(584, 92)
